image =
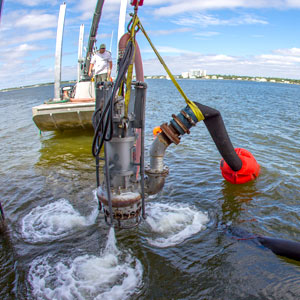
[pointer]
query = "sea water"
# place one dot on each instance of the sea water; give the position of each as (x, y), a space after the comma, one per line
(56, 244)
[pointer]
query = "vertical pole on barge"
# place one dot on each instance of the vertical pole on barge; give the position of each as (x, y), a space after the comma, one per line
(122, 20)
(80, 48)
(1, 5)
(58, 51)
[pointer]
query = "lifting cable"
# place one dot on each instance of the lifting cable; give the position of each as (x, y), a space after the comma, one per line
(104, 127)
(190, 103)
(132, 33)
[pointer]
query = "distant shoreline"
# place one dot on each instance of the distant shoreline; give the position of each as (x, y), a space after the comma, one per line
(212, 77)
(34, 85)
(233, 77)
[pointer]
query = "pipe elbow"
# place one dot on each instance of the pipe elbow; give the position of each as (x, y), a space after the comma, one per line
(156, 172)
(157, 153)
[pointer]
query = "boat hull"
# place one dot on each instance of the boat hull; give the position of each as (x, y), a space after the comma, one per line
(63, 116)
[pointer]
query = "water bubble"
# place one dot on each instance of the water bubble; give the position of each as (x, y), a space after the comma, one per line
(111, 275)
(172, 223)
(54, 221)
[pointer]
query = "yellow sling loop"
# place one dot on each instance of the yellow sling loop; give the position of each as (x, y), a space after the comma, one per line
(130, 68)
(190, 103)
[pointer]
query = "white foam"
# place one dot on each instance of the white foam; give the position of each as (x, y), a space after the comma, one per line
(128, 196)
(173, 223)
(54, 221)
(123, 196)
(112, 275)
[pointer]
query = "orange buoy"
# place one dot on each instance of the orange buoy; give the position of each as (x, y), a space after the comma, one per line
(249, 171)
(156, 130)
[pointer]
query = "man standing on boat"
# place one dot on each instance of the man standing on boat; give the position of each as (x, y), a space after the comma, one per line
(103, 64)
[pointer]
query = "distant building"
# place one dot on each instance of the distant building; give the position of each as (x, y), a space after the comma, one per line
(197, 73)
(194, 74)
(261, 79)
(185, 75)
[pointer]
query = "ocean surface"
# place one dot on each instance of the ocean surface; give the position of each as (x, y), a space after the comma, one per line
(56, 244)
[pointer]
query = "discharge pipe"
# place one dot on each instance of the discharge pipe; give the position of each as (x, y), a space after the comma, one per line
(237, 165)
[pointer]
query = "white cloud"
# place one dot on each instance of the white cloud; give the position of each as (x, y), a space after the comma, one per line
(168, 31)
(33, 76)
(87, 8)
(279, 59)
(206, 34)
(28, 20)
(204, 20)
(174, 7)
(36, 2)
(13, 62)
(104, 36)
(69, 72)
(248, 19)
(36, 21)
(23, 28)
(285, 65)
(289, 52)
(169, 50)
(25, 38)
(293, 3)
(219, 58)
(18, 52)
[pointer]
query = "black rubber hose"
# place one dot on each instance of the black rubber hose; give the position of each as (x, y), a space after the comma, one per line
(2, 212)
(215, 125)
(286, 248)
(281, 247)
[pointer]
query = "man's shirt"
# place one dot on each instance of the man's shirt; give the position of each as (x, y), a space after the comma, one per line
(101, 62)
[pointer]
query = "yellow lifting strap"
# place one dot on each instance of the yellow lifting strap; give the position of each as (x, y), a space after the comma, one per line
(130, 68)
(190, 103)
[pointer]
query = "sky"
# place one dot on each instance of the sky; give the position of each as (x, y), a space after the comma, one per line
(231, 37)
